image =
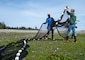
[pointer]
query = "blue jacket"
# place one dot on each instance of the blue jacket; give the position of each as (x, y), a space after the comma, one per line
(49, 21)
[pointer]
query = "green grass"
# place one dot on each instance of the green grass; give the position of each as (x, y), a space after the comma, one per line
(49, 49)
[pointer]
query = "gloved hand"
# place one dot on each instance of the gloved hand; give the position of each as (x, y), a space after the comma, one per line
(44, 23)
(76, 27)
(66, 8)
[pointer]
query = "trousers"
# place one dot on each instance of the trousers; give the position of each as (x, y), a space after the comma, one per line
(71, 27)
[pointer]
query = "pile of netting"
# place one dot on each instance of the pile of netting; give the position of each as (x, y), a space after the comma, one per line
(17, 50)
(14, 50)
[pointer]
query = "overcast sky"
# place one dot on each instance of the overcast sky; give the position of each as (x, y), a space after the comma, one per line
(31, 13)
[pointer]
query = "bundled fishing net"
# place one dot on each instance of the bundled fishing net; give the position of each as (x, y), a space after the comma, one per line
(13, 50)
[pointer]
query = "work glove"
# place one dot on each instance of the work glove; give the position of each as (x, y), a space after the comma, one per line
(44, 23)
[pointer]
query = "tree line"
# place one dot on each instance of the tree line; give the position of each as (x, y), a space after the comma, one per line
(3, 26)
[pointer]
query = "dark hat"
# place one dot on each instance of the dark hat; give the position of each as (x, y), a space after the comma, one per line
(72, 10)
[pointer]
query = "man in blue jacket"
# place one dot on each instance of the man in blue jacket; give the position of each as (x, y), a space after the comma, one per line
(50, 21)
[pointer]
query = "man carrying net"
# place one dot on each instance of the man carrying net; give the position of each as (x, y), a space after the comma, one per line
(72, 24)
(50, 22)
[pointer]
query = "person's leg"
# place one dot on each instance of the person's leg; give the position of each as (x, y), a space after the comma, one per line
(48, 33)
(74, 30)
(75, 39)
(74, 33)
(52, 33)
(68, 32)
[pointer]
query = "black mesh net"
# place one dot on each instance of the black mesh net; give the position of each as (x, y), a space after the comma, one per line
(8, 52)
(61, 28)
(62, 25)
(41, 32)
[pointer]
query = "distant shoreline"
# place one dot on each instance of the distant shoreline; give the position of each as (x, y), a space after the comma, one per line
(17, 31)
(27, 31)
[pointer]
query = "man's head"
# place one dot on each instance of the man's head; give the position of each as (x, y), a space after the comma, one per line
(48, 14)
(72, 10)
(67, 7)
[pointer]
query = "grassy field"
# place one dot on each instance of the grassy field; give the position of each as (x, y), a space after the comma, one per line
(49, 49)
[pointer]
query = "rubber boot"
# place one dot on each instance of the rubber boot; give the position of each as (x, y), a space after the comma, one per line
(74, 38)
(67, 38)
(52, 37)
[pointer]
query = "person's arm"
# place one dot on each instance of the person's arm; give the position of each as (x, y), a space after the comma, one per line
(68, 12)
(46, 21)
